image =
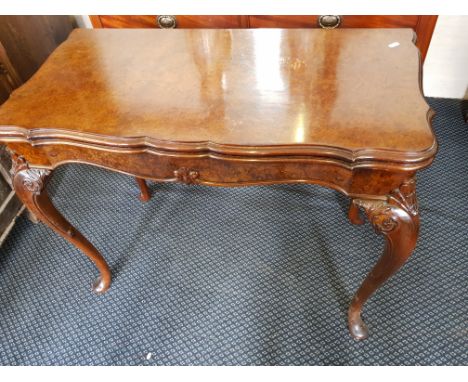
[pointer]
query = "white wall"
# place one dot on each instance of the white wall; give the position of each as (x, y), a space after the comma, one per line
(446, 66)
(83, 21)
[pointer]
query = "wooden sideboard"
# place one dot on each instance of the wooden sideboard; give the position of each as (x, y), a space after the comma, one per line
(422, 25)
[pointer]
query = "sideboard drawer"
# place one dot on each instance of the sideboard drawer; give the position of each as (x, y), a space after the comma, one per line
(171, 21)
(127, 21)
(338, 21)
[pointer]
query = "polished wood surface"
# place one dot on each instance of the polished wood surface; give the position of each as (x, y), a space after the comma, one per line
(209, 88)
(339, 108)
(422, 25)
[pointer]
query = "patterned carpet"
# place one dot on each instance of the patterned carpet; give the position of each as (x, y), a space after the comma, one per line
(239, 276)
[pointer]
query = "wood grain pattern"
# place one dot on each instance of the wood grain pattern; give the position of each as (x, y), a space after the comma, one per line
(29, 40)
(422, 25)
(342, 108)
(222, 83)
(9, 78)
(96, 21)
(424, 30)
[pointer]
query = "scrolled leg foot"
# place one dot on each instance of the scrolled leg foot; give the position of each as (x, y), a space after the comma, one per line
(357, 327)
(29, 184)
(396, 218)
(100, 286)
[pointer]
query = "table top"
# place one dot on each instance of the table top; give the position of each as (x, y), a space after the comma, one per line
(349, 93)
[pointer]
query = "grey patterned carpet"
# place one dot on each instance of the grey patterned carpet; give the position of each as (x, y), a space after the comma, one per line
(243, 276)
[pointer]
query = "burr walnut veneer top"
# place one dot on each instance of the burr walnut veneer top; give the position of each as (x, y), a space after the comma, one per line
(352, 93)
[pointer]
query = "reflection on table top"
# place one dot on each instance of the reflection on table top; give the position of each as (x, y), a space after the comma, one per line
(348, 88)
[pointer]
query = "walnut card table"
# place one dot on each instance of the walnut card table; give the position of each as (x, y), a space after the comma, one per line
(339, 108)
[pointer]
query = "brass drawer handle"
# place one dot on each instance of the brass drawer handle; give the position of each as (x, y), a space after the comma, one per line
(166, 22)
(329, 21)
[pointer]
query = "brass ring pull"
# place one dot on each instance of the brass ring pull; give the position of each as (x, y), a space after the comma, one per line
(329, 21)
(166, 22)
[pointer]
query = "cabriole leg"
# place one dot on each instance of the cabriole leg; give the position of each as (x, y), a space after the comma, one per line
(29, 184)
(354, 215)
(397, 219)
(144, 190)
